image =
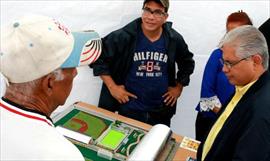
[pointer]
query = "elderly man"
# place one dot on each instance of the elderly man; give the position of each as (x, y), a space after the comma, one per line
(38, 60)
(242, 131)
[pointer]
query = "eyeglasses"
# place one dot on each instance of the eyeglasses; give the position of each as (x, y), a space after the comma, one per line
(156, 13)
(231, 64)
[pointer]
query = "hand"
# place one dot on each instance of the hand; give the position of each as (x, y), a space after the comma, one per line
(216, 109)
(172, 95)
(121, 94)
(117, 91)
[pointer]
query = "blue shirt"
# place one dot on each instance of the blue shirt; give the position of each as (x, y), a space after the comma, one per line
(148, 76)
(215, 82)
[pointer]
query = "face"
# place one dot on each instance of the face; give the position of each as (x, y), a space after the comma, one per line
(242, 71)
(62, 87)
(233, 25)
(153, 17)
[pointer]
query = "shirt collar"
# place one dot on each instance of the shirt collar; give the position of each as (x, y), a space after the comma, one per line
(27, 109)
(243, 89)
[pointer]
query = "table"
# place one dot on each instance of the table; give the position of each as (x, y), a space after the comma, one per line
(181, 154)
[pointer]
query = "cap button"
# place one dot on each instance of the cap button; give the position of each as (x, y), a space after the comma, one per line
(16, 24)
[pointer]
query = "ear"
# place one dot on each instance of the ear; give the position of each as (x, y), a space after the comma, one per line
(166, 17)
(48, 82)
(257, 59)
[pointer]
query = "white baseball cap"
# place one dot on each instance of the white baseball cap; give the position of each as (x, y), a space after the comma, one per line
(34, 46)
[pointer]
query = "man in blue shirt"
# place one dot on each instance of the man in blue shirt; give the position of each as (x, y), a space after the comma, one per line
(138, 68)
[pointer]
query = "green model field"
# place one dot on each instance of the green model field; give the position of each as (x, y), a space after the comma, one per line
(84, 123)
(112, 139)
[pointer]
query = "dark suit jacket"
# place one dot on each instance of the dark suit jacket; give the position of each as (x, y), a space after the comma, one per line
(245, 136)
(265, 29)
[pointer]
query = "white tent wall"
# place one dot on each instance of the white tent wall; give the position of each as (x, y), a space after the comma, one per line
(202, 24)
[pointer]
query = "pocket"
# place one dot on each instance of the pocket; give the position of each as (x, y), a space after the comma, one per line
(164, 112)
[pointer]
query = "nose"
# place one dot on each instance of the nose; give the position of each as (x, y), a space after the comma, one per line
(74, 72)
(225, 69)
(150, 15)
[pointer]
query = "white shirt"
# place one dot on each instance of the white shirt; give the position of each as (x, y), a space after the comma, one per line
(28, 135)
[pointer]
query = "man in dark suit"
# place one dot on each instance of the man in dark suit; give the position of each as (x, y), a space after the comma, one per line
(265, 29)
(242, 130)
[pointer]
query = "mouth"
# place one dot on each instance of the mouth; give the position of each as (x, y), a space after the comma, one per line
(228, 76)
(150, 23)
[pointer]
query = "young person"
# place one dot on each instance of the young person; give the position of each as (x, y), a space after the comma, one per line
(138, 69)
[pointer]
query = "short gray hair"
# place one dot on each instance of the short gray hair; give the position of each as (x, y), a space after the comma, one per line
(35, 83)
(247, 41)
(29, 88)
(58, 74)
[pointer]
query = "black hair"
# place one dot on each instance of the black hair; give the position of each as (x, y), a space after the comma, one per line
(157, 1)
